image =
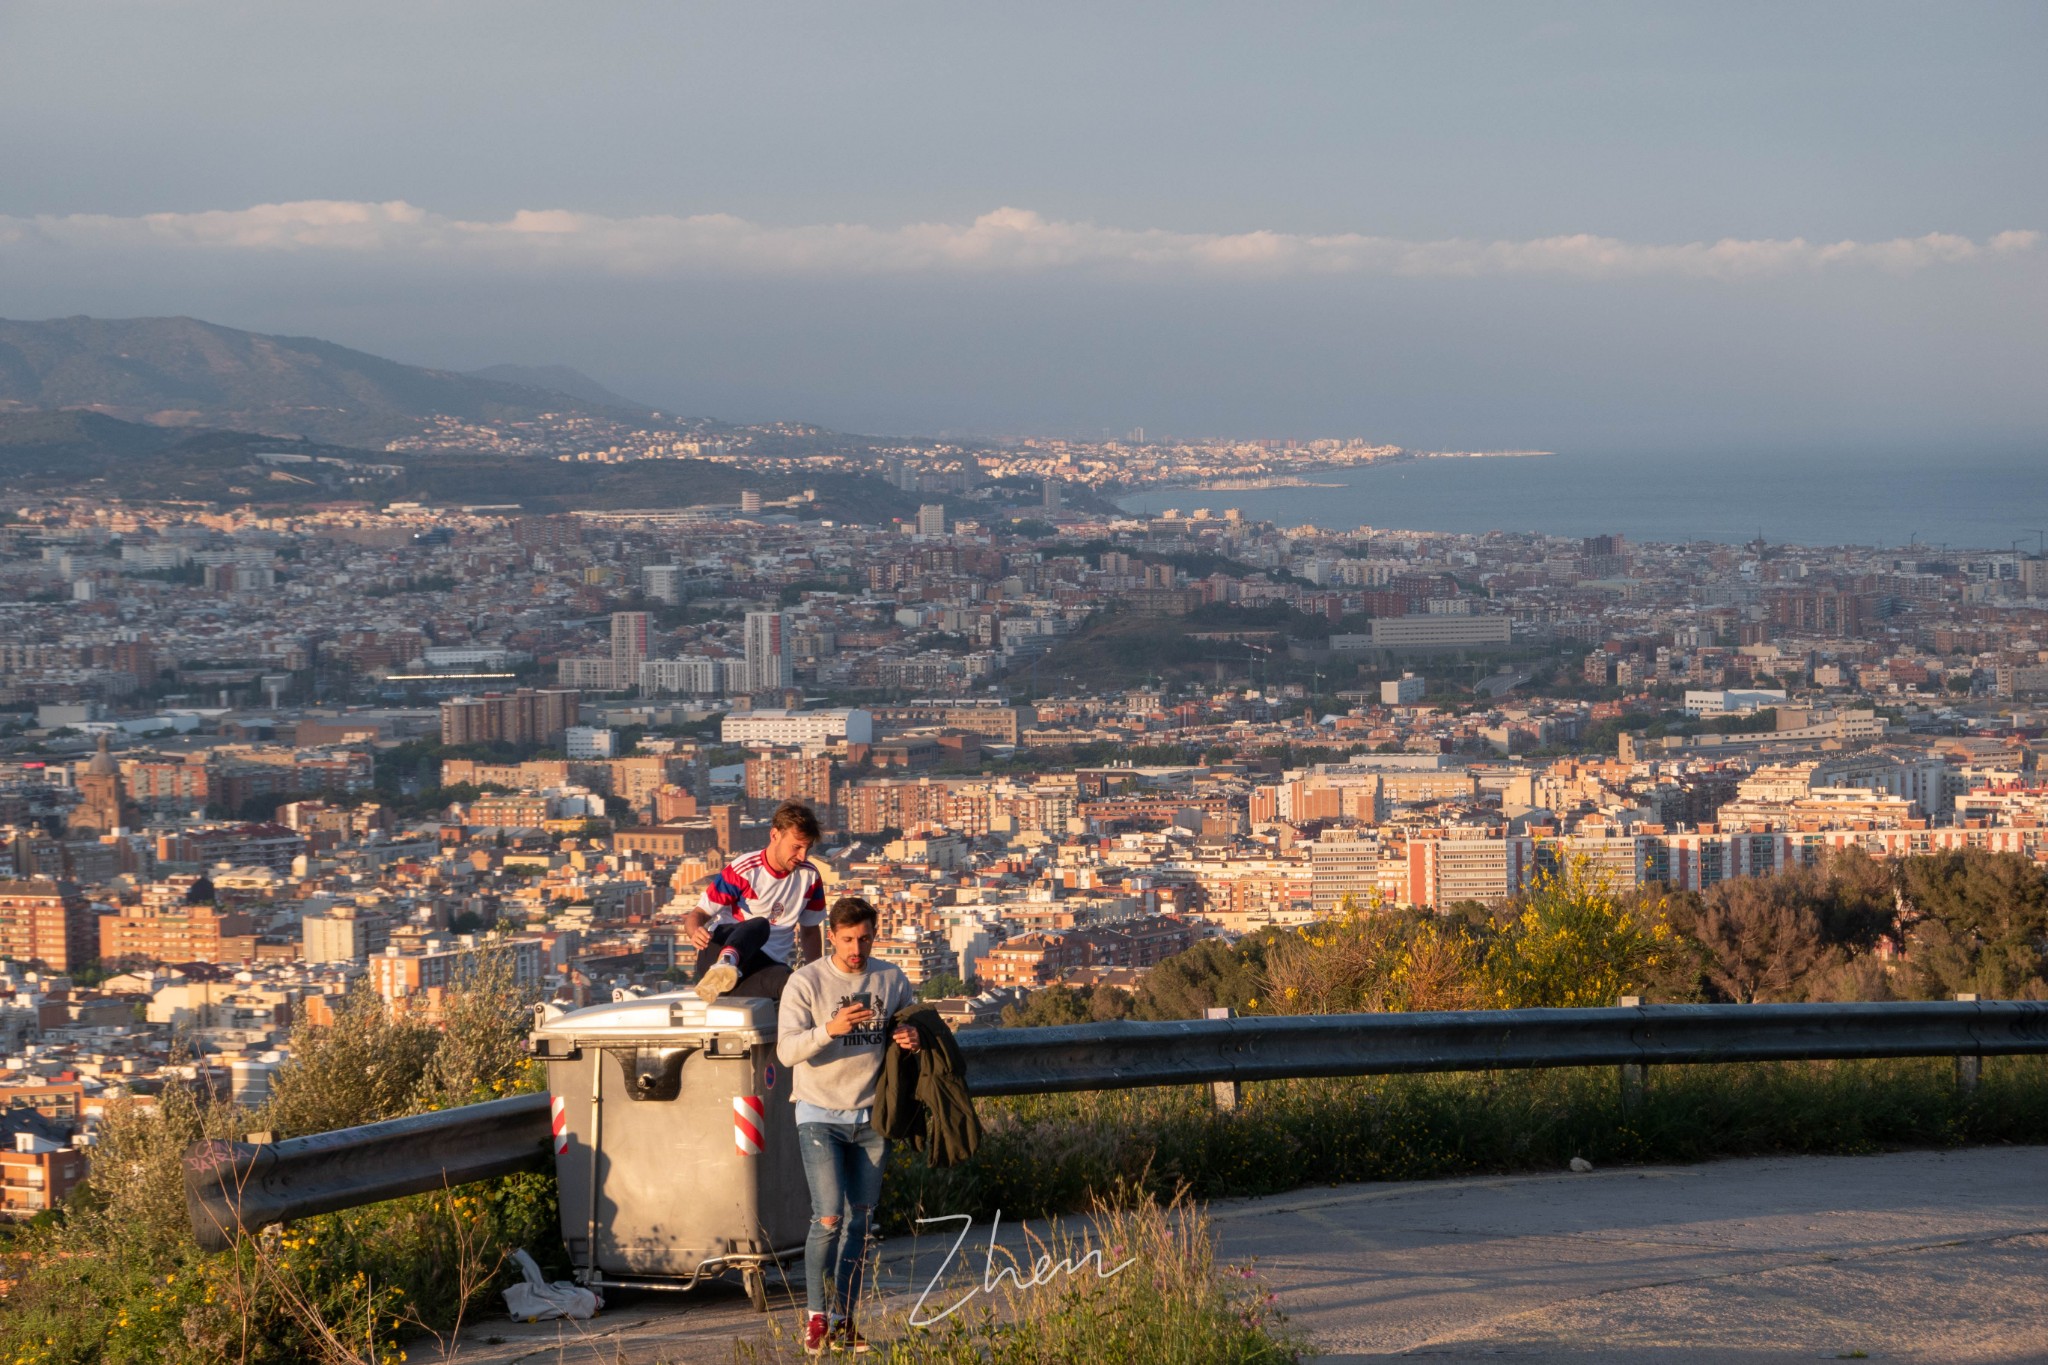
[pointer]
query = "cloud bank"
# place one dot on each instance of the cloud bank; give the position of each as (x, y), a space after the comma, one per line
(1008, 241)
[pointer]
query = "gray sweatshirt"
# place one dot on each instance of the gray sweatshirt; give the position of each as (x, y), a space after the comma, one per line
(837, 1073)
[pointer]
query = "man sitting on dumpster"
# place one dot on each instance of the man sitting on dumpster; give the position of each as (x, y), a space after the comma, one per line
(837, 1019)
(761, 909)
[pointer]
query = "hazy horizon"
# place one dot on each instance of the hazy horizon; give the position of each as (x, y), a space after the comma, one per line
(1453, 227)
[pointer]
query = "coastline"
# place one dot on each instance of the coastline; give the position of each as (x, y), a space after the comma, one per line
(1304, 476)
(1975, 499)
(1250, 485)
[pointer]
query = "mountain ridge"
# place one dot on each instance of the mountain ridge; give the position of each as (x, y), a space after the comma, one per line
(185, 372)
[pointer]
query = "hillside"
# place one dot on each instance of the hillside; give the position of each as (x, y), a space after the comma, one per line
(53, 452)
(185, 373)
(559, 379)
(49, 452)
(543, 486)
(72, 444)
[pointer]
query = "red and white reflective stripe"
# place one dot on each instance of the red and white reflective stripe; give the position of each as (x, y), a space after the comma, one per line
(560, 1122)
(749, 1120)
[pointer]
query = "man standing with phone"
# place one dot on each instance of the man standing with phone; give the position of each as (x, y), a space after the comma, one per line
(836, 1021)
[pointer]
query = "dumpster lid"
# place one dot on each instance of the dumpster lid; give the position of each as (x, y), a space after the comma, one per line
(668, 1015)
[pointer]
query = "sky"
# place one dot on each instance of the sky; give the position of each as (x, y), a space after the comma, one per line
(1668, 228)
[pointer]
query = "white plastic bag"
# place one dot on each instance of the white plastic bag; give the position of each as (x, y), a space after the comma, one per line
(533, 1298)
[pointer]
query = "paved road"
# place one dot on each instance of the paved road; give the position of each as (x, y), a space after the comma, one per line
(1919, 1256)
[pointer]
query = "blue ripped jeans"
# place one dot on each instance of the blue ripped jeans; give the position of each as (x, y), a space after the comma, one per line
(843, 1165)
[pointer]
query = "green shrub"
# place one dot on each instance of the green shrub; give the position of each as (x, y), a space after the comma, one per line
(118, 1280)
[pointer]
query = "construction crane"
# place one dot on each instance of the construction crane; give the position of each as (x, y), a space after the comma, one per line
(1249, 661)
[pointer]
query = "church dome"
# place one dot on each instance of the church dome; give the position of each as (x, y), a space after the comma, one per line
(102, 764)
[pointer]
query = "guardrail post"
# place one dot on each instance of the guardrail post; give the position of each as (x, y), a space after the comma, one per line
(1633, 1074)
(1224, 1093)
(1969, 1068)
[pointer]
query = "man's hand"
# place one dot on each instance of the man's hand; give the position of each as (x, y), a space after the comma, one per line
(850, 1017)
(694, 930)
(905, 1037)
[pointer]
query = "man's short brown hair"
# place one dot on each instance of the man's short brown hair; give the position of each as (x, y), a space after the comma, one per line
(850, 910)
(797, 816)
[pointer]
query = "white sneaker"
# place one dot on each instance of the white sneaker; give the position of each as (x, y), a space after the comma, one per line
(722, 977)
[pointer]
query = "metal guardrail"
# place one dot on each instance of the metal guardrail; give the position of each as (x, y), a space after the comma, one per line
(1116, 1056)
(238, 1185)
(243, 1186)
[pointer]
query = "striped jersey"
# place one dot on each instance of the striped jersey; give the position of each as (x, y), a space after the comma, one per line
(749, 889)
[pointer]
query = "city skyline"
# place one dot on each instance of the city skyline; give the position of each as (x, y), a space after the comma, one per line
(1152, 603)
(1591, 229)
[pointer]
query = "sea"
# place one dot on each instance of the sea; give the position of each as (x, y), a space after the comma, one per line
(1984, 500)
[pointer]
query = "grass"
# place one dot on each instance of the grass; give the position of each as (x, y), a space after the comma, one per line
(1136, 1284)
(351, 1288)
(1060, 1153)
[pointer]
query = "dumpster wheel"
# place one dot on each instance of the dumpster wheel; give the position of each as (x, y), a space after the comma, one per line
(755, 1278)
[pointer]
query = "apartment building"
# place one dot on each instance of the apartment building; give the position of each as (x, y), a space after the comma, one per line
(47, 922)
(527, 716)
(36, 1174)
(798, 729)
(170, 931)
(1344, 865)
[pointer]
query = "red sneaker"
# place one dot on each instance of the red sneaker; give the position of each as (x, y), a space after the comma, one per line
(844, 1338)
(817, 1332)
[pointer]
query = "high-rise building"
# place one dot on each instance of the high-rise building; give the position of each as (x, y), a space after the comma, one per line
(590, 741)
(690, 674)
(528, 716)
(922, 956)
(629, 646)
(777, 775)
(750, 501)
(589, 675)
(1052, 495)
(176, 929)
(1822, 610)
(664, 583)
(48, 923)
(1344, 866)
(344, 934)
(931, 519)
(768, 661)
(1442, 872)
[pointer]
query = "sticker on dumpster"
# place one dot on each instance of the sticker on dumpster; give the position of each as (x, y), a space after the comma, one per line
(749, 1117)
(768, 1077)
(560, 1124)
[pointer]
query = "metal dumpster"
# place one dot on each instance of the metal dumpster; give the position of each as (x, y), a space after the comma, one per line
(675, 1141)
